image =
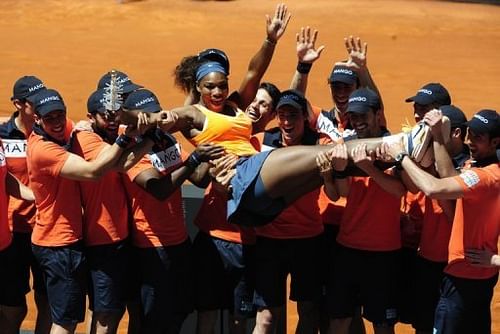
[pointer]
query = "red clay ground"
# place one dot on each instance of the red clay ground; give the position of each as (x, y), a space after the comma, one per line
(70, 44)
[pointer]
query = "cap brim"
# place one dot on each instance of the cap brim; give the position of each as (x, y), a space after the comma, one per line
(344, 79)
(44, 110)
(358, 108)
(477, 126)
(289, 103)
(420, 99)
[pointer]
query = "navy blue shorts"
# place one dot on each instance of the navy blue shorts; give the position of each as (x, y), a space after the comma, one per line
(26, 261)
(12, 288)
(108, 267)
(224, 275)
(65, 271)
(464, 306)
(166, 286)
(369, 279)
(428, 278)
(407, 285)
(249, 204)
(276, 258)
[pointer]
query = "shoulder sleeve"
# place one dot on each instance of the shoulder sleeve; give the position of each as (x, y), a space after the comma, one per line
(477, 179)
(88, 144)
(314, 117)
(48, 157)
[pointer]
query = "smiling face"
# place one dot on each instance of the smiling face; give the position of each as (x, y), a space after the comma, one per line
(106, 122)
(213, 89)
(340, 94)
(261, 107)
(419, 110)
(291, 122)
(54, 124)
(367, 124)
(481, 145)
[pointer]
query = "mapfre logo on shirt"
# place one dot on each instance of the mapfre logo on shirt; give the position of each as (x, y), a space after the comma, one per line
(15, 148)
(167, 158)
(470, 178)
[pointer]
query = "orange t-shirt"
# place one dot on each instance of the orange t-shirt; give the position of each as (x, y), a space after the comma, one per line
(58, 220)
(156, 223)
(5, 234)
(300, 220)
(412, 217)
(435, 232)
(331, 212)
(231, 132)
(105, 212)
(21, 212)
(371, 217)
(477, 220)
(211, 219)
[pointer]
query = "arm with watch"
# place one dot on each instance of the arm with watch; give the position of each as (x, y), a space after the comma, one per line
(446, 188)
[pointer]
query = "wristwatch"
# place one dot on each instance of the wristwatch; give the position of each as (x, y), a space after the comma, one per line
(399, 159)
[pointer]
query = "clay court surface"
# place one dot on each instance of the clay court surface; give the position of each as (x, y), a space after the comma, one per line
(70, 44)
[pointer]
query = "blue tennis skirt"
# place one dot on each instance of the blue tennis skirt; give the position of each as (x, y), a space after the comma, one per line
(249, 204)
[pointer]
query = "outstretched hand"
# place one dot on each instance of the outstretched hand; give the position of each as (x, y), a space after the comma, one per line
(434, 118)
(340, 157)
(222, 171)
(361, 157)
(324, 164)
(276, 25)
(306, 51)
(357, 53)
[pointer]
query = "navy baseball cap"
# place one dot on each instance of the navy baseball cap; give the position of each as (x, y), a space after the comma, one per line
(363, 100)
(216, 55)
(343, 74)
(294, 98)
(485, 121)
(142, 99)
(46, 101)
(455, 115)
(127, 85)
(95, 103)
(431, 93)
(26, 86)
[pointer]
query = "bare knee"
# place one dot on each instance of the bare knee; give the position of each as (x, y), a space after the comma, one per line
(62, 329)
(105, 322)
(266, 320)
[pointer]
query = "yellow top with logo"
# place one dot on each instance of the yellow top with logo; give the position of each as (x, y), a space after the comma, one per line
(231, 132)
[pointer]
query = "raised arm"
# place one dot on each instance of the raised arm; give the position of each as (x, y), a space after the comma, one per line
(389, 183)
(275, 28)
(447, 188)
(77, 168)
(307, 54)
(357, 61)
(325, 166)
(444, 164)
